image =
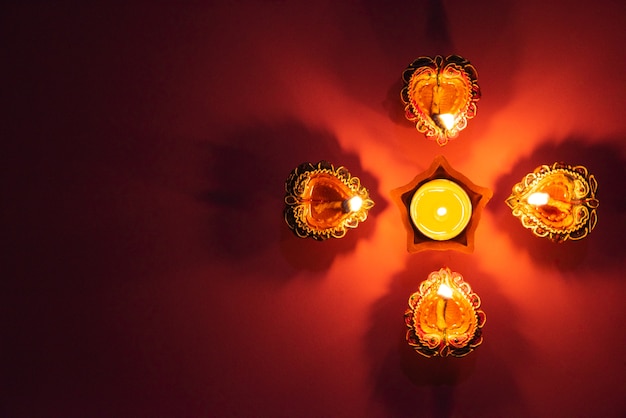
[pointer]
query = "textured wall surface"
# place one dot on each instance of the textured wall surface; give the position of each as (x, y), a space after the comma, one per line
(148, 268)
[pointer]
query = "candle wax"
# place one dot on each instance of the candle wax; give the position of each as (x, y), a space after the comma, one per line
(440, 209)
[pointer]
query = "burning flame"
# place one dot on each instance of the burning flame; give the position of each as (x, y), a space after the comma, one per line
(354, 204)
(447, 119)
(538, 198)
(445, 291)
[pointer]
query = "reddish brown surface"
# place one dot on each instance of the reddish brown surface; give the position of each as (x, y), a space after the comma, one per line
(148, 271)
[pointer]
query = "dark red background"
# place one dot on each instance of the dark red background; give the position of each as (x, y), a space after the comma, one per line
(148, 271)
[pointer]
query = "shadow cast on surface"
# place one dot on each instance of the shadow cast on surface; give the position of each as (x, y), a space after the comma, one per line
(397, 26)
(405, 380)
(247, 173)
(602, 248)
(435, 28)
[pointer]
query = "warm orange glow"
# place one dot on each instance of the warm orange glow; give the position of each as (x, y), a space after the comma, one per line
(440, 95)
(440, 208)
(323, 201)
(558, 202)
(443, 316)
(149, 271)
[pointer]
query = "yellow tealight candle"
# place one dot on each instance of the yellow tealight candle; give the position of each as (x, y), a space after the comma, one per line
(441, 209)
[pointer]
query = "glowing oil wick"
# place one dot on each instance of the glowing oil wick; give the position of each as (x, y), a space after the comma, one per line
(447, 119)
(442, 211)
(353, 204)
(444, 291)
(539, 198)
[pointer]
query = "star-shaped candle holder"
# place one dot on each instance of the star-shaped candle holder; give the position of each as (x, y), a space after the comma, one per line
(441, 209)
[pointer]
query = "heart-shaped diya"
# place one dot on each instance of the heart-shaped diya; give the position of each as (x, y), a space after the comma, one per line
(443, 316)
(440, 95)
(558, 202)
(323, 201)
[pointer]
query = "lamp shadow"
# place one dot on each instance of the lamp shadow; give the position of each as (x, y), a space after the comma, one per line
(246, 172)
(398, 26)
(403, 378)
(602, 249)
(430, 28)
